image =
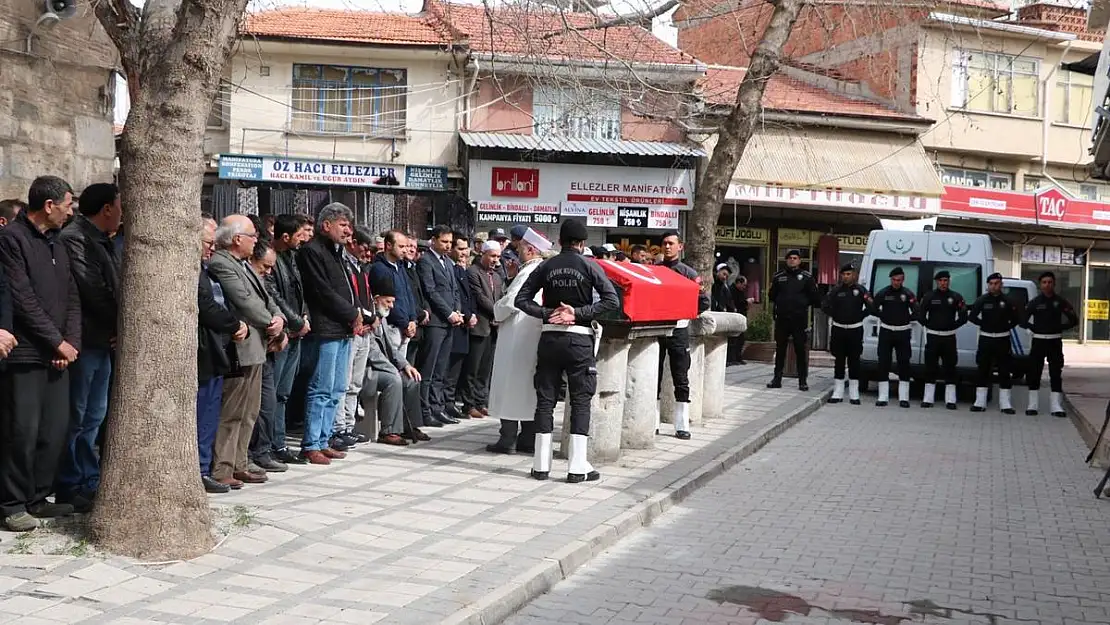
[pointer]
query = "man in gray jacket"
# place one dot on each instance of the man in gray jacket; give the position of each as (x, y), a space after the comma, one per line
(389, 377)
(247, 299)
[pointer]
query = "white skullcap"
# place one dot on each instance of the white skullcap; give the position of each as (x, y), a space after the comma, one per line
(609, 247)
(586, 251)
(723, 266)
(491, 246)
(536, 240)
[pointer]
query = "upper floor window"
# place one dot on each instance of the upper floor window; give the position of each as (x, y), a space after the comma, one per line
(564, 112)
(349, 100)
(1072, 99)
(996, 83)
(975, 178)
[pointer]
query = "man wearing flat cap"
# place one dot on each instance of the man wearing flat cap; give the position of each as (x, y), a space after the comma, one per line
(894, 305)
(792, 293)
(847, 304)
(942, 311)
(996, 317)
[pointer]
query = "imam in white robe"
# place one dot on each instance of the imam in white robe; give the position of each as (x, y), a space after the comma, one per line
(512, 393)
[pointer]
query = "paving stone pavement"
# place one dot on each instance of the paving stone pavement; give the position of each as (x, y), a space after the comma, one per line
(868, 515)
(389, 535)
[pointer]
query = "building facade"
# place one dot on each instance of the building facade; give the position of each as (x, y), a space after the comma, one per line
(57, 101)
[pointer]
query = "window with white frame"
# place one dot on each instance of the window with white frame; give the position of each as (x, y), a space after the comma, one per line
(1072, 99)
(578, 113)
(996, 83)
(349, 100)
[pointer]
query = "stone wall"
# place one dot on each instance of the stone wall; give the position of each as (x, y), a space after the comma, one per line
(56, 101)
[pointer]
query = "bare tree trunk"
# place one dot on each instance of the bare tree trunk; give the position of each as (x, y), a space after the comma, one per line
(734, 134)
(150, 503)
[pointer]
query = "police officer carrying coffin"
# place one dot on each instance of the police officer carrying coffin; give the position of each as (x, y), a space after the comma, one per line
(942, 311)
(1048, 315)
(847, 304)
(792, 293)
(996, 316)
(894, 306)
(566, 346)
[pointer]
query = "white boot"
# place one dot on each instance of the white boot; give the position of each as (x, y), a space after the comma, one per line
(1056, 402)
(884, 393)
(1004, 401)
(838, 391)
(578, 468)
(682, 421)
(929, 396)
(904, 394)
(541, 457)
(950, 395)
(853, 392)
(1034, 403)
(980, 399)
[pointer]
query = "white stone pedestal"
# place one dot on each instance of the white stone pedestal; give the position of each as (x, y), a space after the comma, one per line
(713, 382)
(641, 410)
(710, 333)
(607, 407)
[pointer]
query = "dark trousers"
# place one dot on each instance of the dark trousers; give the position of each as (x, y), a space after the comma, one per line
(941, 355)
(846, 346)
(994, 352)
(1051, 350)
(898, 342)
(210, 395)
(453, 383)
(433, 359)
(676, 348)
(525, 442)
(89, 382)
(477, 371)
(572, 354)
(795, 330)
(262, 439)
(736, 349)
(34, 419)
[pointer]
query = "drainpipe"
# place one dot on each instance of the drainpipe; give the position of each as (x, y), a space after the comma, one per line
(470, 90)
(1046, 115)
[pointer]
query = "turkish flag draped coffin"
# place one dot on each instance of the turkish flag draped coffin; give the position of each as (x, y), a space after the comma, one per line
(652, 293)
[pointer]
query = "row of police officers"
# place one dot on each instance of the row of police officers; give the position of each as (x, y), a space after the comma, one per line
(941, 312)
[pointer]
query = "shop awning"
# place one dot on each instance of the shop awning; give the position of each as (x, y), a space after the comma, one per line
(822, 158)
(568, 144)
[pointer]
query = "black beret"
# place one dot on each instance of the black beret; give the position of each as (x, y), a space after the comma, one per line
(897, 271)
(572, 231)
(846, 268)
(942, 275)
(1047, 274)
(994, 276)
(790, 253)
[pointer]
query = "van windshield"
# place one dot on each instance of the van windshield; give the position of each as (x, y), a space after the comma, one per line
(881, 271)
(966, 279)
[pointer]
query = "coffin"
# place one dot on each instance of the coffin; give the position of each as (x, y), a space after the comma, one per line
(650, 294)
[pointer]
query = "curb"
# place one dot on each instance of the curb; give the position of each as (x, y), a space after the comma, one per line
(497, 606)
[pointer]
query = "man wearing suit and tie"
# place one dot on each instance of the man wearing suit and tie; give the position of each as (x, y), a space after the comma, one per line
(436, 273)
(248, 300)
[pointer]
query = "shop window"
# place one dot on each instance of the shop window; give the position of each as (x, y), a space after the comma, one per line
(1069, 279)
(1097, 304)
(349, 100)
(996, 83)
(576, 113)
(1072, 98)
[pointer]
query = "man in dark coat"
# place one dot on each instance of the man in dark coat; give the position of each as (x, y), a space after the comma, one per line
(460, 335)
(34, 387)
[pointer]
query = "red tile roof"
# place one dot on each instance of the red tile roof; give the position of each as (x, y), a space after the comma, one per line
(535, 32)
(787, 94)
(349, 26)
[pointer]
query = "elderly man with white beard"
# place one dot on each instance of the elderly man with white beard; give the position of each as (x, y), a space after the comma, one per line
(390, 379)
(512, 398)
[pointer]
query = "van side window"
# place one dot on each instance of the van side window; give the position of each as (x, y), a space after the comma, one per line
(967, 279)
(880, 275)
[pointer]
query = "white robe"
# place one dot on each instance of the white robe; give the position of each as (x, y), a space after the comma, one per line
(512, 393)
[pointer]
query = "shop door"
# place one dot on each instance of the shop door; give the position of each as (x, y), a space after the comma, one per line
(1098, 302)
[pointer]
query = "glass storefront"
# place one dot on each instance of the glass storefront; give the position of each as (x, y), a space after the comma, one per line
(1069, 283)
(745, 251)
(1097, 307)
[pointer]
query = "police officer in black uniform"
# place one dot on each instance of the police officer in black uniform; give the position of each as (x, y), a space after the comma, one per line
(942, 311)
(847, 304)
(567, 345)
(996, 316)
(894, 306)
(676, 347)
(1048, 316)
(792, 293)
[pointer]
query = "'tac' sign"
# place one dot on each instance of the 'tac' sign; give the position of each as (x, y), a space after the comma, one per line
(1051, 204)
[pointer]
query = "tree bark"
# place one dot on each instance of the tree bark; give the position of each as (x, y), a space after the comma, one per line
(151, 504)
(734, 134)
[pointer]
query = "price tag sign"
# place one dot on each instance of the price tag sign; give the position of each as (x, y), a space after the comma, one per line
(601, 217)
(1098, 310)
(663, 219)
(630, 217)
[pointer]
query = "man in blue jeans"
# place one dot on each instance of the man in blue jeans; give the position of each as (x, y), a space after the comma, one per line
(336, 318)
(95, 268)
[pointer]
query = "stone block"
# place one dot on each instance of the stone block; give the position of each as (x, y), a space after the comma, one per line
(641, 410)
(697, 374)
(607, 406)
(94, 137)
(715, 348)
